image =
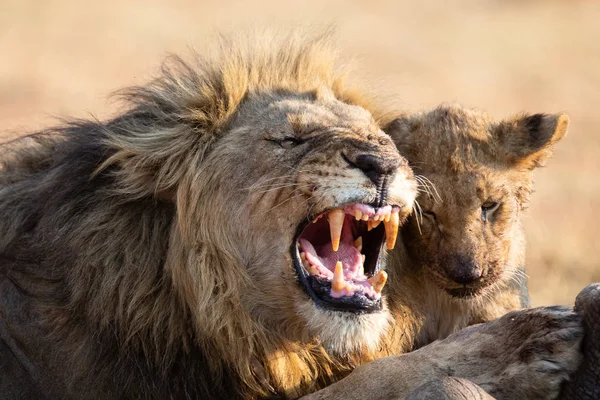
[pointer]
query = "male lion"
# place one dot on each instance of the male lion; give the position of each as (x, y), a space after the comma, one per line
(212, 241)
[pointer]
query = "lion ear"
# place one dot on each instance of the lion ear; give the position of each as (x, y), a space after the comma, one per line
(528, 141)
(401, 131)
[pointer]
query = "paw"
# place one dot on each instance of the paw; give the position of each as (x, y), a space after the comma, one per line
(536, 350)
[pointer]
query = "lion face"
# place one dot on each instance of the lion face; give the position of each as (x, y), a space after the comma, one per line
(323, 190)
(464, 237)
(479, 174)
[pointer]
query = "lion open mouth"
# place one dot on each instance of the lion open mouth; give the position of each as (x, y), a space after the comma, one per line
(337, 256)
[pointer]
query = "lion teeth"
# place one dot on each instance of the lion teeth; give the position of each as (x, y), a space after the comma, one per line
(363, 257)
(358, 243)
(373, 224)
(365, 217)
(391, 230)
(338, 284)
(336, 223)
(378, 281)
(357, 215)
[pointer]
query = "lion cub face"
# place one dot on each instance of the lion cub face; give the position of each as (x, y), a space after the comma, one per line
(323, 190)
(480, 178)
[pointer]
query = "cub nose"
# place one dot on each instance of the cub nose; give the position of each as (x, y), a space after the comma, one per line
(376, 167)
(463, 270)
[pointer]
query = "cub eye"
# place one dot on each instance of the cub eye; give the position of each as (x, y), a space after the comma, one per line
(289, 143)
(488, 208)
(430, 215)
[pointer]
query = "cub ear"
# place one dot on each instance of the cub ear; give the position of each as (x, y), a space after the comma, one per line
(528, 141)
(401, 130)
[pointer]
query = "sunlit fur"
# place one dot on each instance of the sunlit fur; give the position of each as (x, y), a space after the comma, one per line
(465, 158)
(150, 253)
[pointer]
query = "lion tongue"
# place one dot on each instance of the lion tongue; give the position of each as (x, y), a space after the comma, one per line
(347, 254)
(324, 256)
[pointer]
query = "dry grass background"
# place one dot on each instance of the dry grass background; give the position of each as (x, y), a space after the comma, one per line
(63, 57)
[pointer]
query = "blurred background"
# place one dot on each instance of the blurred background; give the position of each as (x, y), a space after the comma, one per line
(64, 58)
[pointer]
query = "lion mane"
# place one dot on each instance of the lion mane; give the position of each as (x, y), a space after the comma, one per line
(107, 281)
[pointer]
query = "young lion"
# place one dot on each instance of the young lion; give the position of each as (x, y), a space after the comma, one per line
(466, 253)
(462, 263)
(211, 241)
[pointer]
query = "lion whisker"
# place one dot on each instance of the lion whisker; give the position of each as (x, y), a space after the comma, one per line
(282, 202)
(419, 215)
(428, 187)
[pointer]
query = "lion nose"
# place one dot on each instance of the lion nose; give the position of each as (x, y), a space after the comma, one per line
(376, 167)
(464, 271)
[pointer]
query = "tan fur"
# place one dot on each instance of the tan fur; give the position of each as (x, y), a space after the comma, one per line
(464, 159)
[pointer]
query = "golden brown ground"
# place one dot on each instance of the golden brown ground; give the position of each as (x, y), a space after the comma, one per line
(63, 57)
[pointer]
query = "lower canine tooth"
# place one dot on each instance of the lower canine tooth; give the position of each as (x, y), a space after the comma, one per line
(378, 281)
(336, 223)
(338, 283)
(391, 230)
(358, 243)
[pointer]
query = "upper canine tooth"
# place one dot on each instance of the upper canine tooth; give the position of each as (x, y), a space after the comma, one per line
(391, 230)
(336, 223)
(378, 281)
(358, 243)
(338, 283)
(357, 215)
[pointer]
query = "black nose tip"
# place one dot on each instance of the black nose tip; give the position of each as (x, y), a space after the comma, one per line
(463, 271)
(376, 167)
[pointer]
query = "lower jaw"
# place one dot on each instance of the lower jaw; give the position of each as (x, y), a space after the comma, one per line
(465, 293)
(344, 305)
(356, 305)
